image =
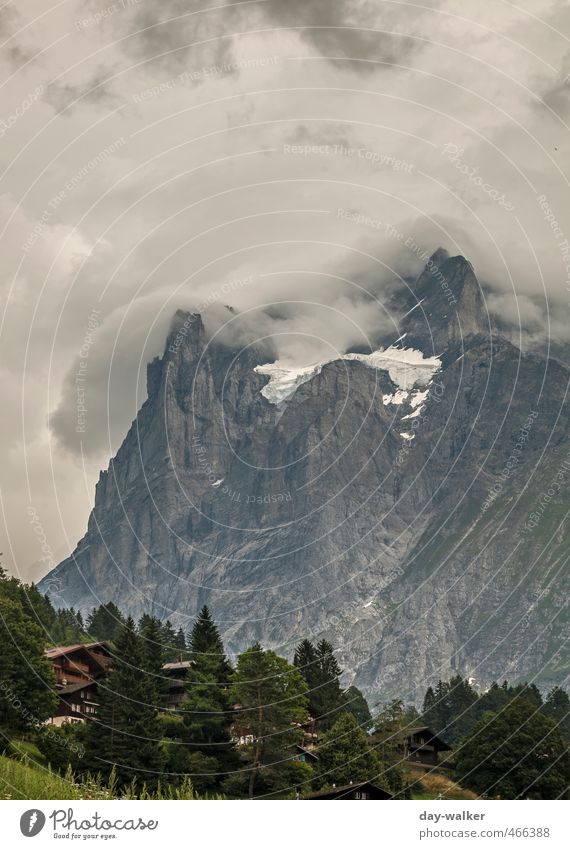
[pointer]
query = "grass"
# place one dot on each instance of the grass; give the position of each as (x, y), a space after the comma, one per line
(432, 785)
(20, 780)
(26, 751)
(23, 778)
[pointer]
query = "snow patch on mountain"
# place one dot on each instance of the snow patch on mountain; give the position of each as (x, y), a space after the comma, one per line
(407, 367)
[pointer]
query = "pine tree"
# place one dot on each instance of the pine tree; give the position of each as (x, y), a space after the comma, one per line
(557, 708)
(153, 660)
(428, 703)
(206, 648)
(180, 640)
(208, 752)
(125, 733)
(330, 694)
(462, 701)
(168, 639)
(105, 622)
(355, 703)
(319, 668)
(271, 694)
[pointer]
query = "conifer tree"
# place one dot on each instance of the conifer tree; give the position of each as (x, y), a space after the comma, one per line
(168, 638)
(319, 668)
(329, 688)
(105, 622)
(206, 710)
(307, 662)
(125, 733)
(180, 640)
(206, 648)
(557, 708)
(153, 660)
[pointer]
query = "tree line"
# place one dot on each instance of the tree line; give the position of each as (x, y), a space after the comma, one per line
(243, 728)
(509, 741)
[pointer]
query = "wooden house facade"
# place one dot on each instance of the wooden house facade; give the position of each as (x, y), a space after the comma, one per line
(421, 746)
(77, 668)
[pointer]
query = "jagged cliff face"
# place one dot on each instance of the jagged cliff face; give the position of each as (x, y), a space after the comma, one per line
(385, 502)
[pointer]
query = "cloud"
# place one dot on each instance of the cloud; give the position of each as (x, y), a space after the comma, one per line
(65, 97)
(367, 33)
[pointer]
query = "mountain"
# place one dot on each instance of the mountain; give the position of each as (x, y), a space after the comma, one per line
(407, 503)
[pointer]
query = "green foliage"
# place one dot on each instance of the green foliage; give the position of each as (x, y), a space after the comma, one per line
(173, 643)
(515, 754)
(204, 749)
(272, 699)
(26, 781)
(152, 660)
(26, 680)
(345, 755)
(557, 708)
(125, 733)
(62, 746)
(450, 710)
(393, 720)
(207, 649)
(454, 707)
(355, 703)
(105, 622)
(319, 667)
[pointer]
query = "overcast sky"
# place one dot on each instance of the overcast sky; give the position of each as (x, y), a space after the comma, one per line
(153, 153)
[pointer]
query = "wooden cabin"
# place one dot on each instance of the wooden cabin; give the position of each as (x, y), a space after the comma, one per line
(421, 746)
(79, 663)
(305, 755)
(77, 668)
(363, 791)
(176, 683)
(77, 702)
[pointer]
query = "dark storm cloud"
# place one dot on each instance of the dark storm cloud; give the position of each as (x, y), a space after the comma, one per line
(169, 34)
(349, 30)
(361, 32)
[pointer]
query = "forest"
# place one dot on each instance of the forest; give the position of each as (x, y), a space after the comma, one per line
(259, 725)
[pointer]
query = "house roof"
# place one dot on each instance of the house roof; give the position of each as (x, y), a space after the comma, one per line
(58, 651)
(307, 752)
(84, 649)
(73, 688)
(423, 729)
(102, 644)
(178, 666)
(346, 788)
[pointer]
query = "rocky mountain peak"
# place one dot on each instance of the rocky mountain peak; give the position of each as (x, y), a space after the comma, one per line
(350, 500)
(445, 305)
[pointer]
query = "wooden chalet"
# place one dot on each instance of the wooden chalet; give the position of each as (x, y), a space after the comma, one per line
(364, 791)
(421, 746)
(77, 702)
(79, 663)
(306, 756)
(176, 682)
(77, 668)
